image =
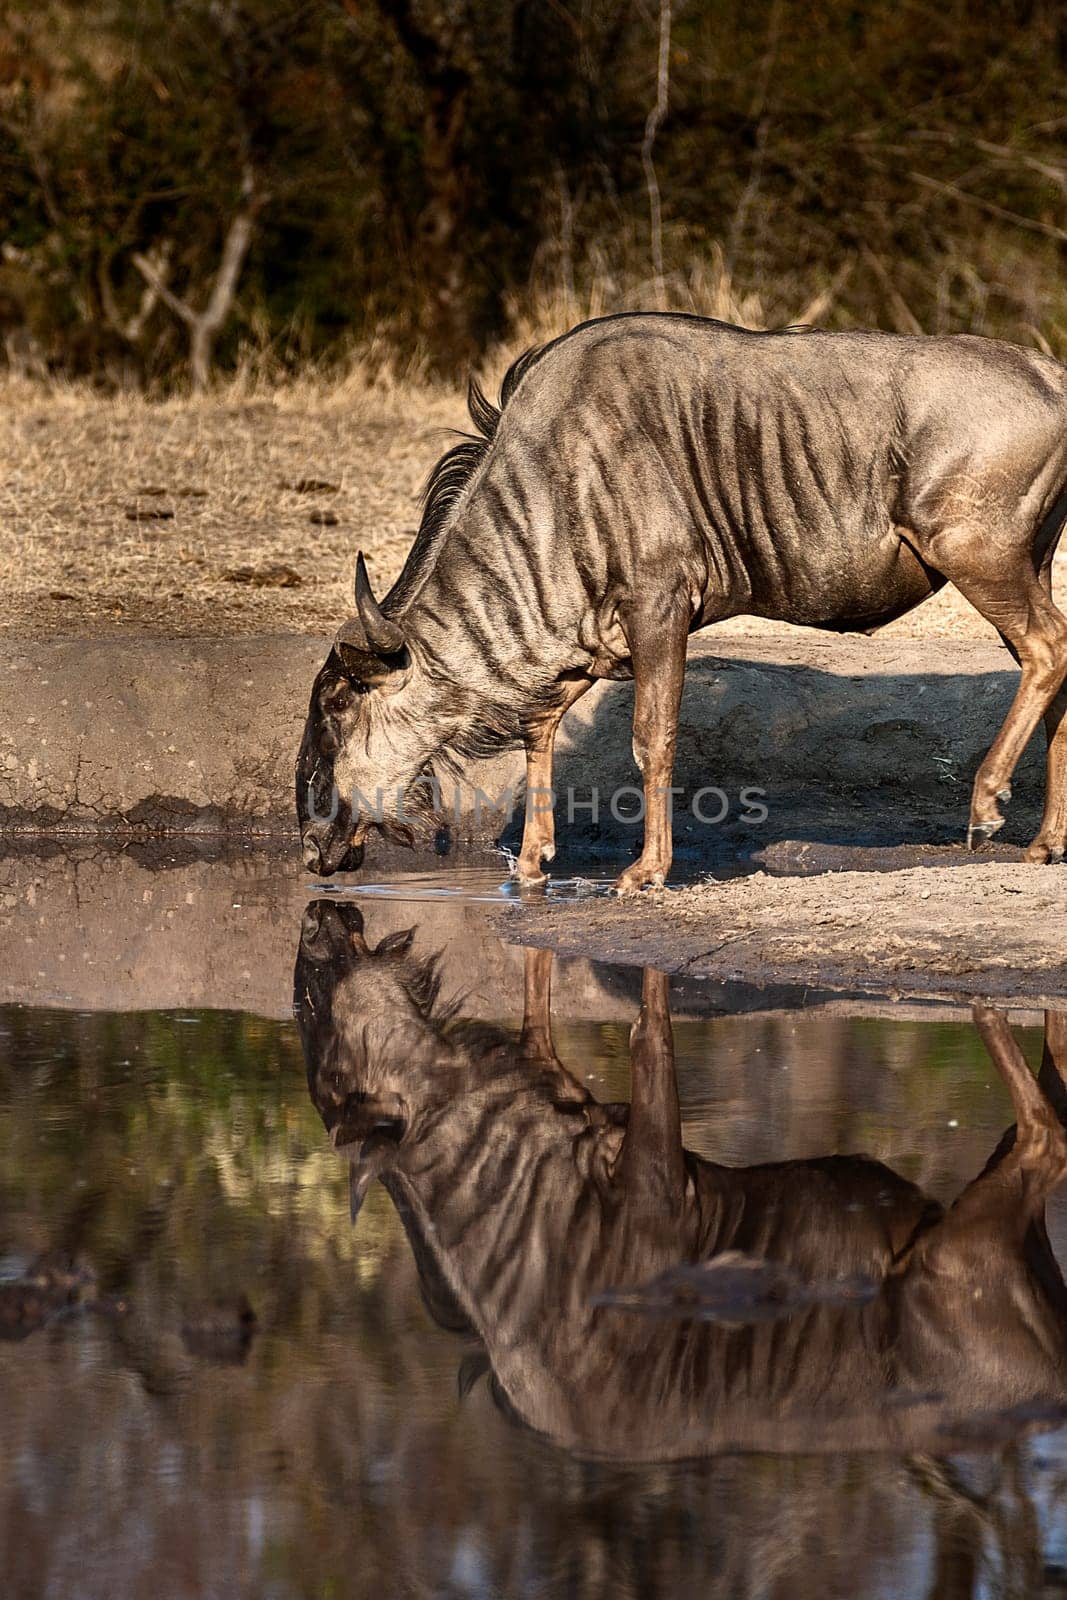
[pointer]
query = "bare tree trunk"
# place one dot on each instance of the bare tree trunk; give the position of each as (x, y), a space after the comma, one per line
(204, 326)
(131, 329)
(652, 126)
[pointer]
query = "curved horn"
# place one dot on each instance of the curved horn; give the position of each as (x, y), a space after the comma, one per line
(382, 635)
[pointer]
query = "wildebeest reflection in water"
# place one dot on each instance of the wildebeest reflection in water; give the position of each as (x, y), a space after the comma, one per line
(574, 1238)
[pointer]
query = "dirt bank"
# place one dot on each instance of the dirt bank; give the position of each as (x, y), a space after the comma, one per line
(942, 931)
(854, 742)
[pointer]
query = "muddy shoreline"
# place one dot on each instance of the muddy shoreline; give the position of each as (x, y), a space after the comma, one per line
(90, 928)
(951, 930)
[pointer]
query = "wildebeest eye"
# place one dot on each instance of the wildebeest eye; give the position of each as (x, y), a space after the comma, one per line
(337, 697)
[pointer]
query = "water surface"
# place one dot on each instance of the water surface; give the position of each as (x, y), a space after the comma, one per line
(358, 1441)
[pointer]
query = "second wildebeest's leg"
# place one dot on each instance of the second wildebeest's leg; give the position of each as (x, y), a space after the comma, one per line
(539, 822)
(657, 640)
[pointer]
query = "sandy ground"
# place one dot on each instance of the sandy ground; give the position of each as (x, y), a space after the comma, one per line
(973, 927)
(231, 515)
(219, 517)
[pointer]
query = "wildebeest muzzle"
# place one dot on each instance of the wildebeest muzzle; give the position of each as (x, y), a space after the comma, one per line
(328, 849)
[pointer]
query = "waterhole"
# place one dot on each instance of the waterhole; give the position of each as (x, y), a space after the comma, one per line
(313, 1304)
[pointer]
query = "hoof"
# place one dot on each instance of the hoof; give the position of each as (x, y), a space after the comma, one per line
(624, 890)
(627, 885)
(1040, 853)
(1004, 795)
(980, 833)
(527, 879)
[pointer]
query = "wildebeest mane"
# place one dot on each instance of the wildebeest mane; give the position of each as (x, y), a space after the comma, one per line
(450, 477)
(455, 470)
(421, 976)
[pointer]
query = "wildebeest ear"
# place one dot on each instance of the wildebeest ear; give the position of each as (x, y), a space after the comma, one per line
(363, 665)
(383, 635)
(396, 944)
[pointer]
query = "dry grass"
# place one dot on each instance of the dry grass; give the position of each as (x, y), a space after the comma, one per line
(84, 481)
(83, 478)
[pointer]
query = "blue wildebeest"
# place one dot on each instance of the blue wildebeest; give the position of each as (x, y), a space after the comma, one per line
(648, 475)
(878, 1320)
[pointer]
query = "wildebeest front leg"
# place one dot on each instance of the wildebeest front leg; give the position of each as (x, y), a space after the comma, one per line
(657, 650)
(539, 823)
